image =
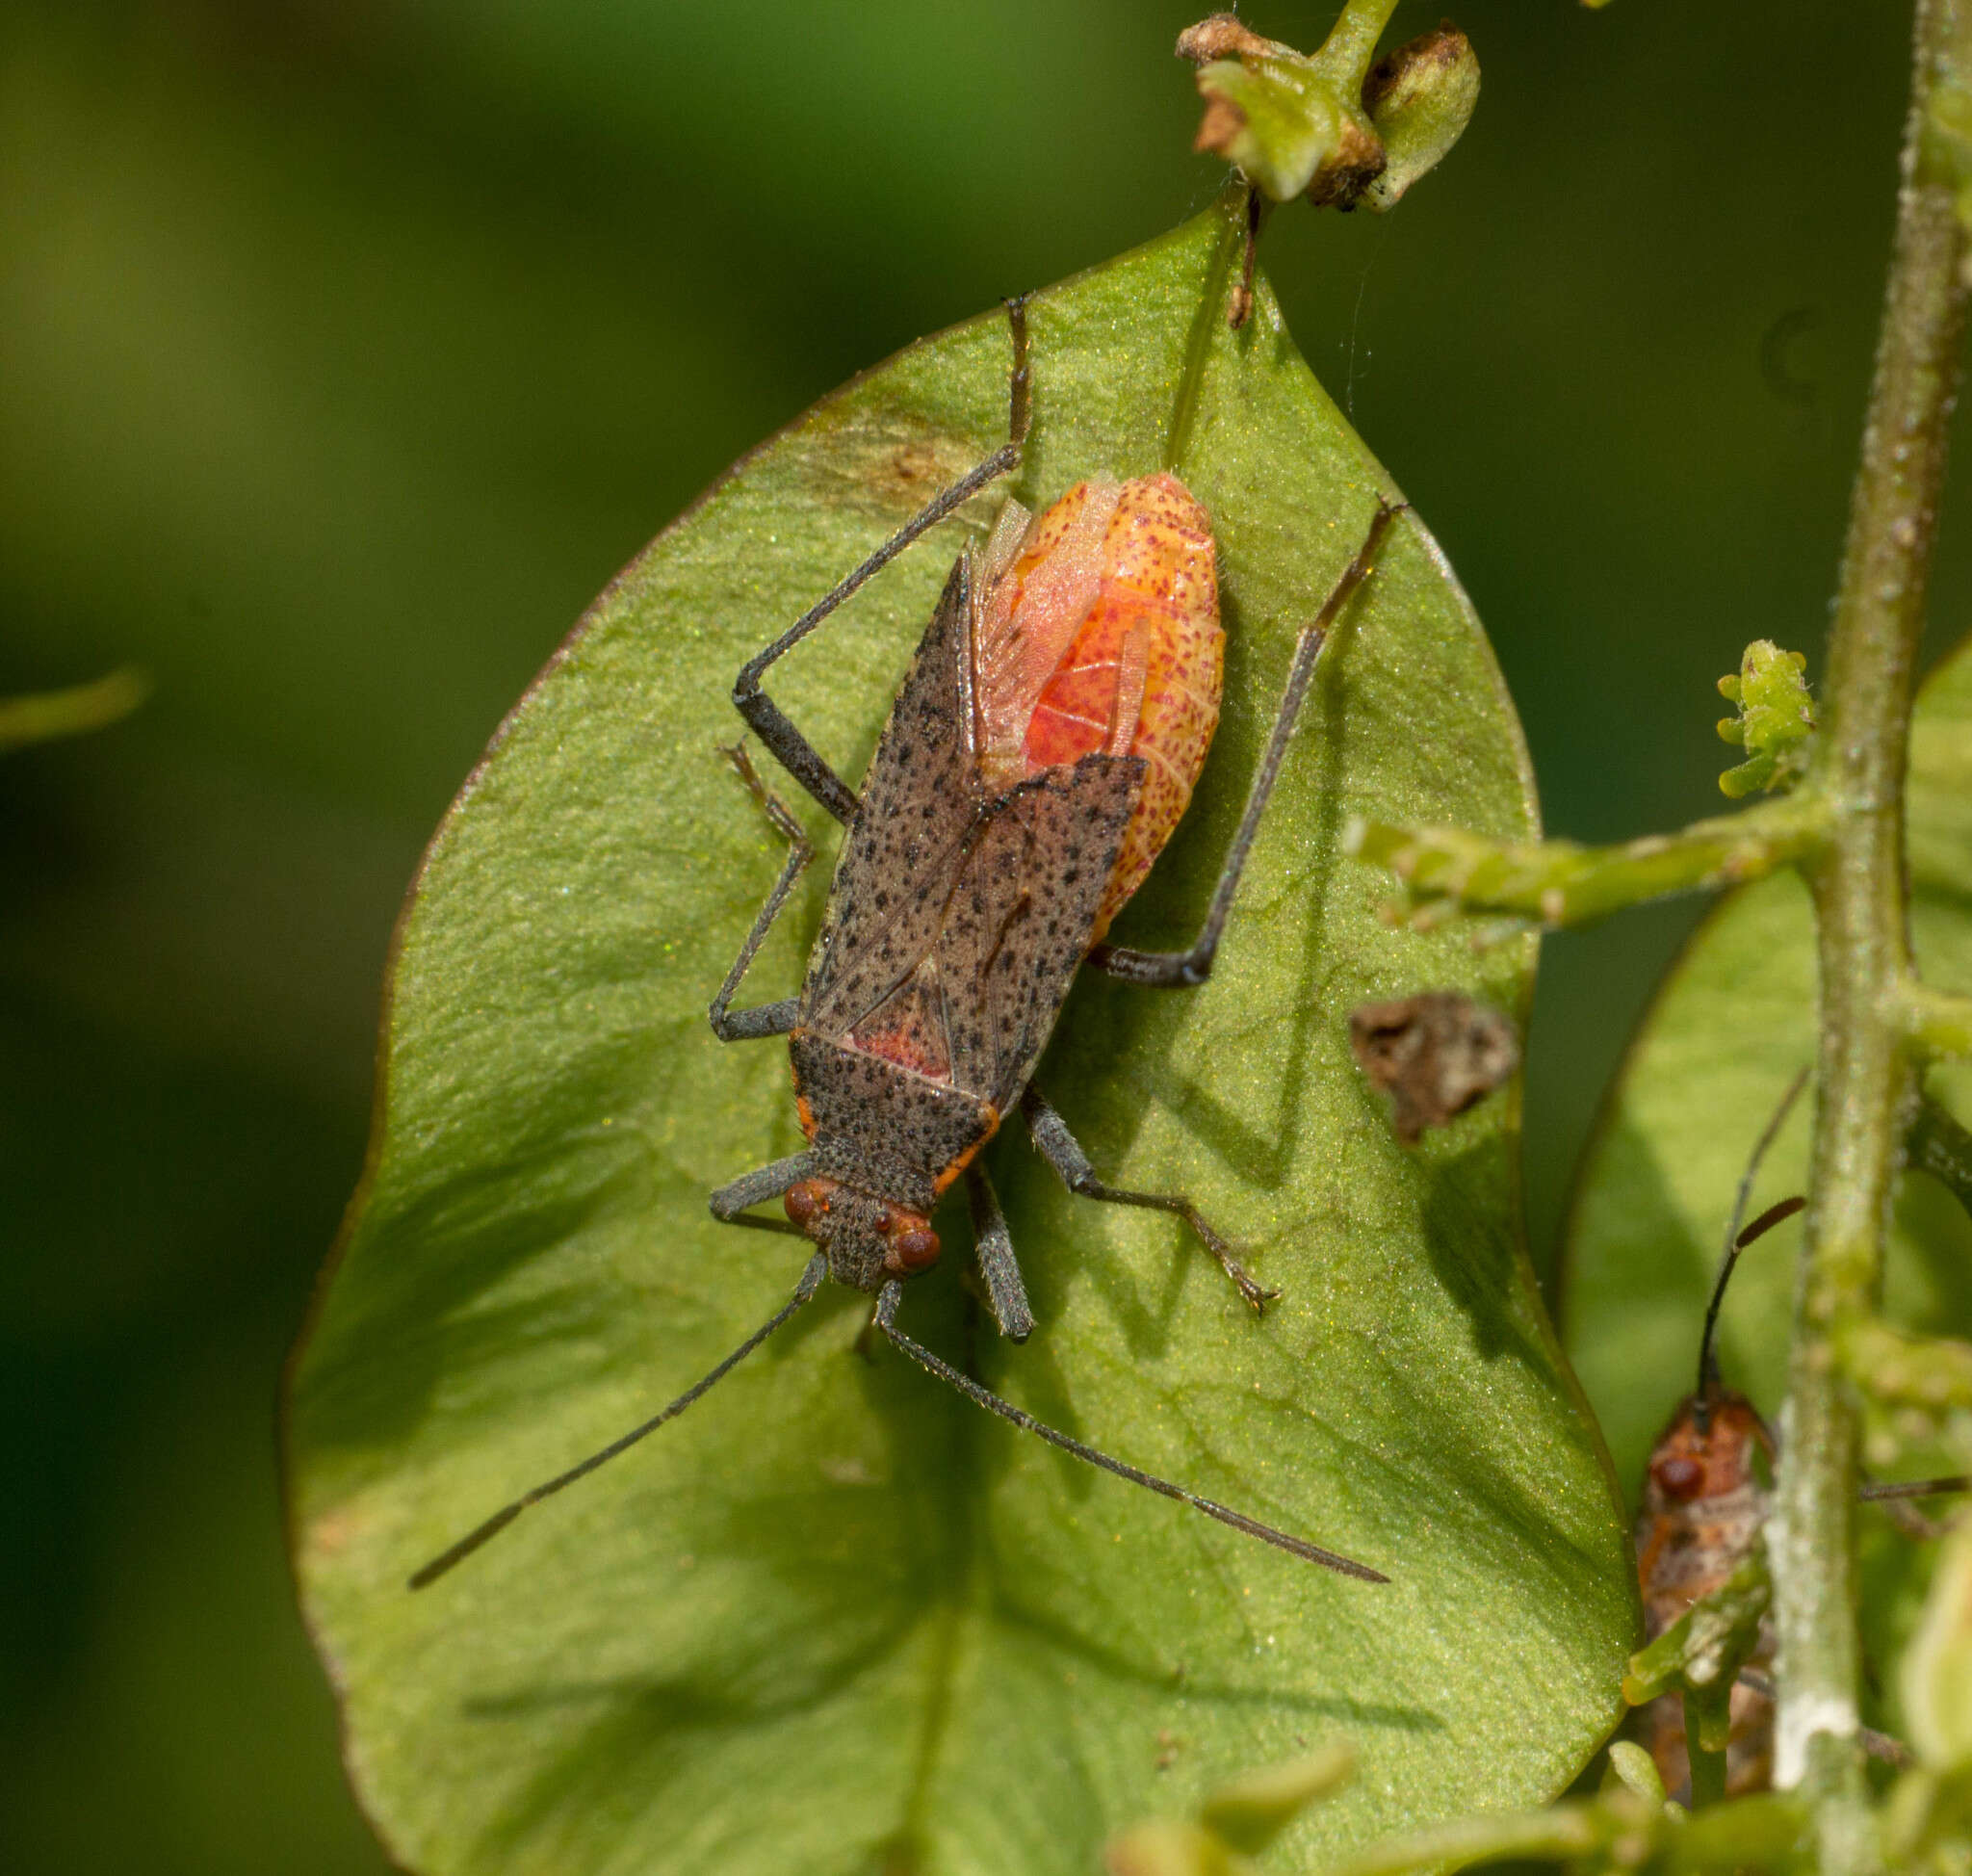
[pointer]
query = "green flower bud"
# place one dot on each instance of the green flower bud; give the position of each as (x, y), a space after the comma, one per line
(1775, 721)
(1419, 99)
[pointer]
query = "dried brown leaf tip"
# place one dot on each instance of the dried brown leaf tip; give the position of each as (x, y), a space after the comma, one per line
(1225, 36)
(1434, 1054)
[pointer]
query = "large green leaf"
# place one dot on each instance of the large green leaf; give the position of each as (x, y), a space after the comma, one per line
(1729, 1029)
(835, 1618)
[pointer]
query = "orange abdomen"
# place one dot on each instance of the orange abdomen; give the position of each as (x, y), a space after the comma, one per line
(1098, 631)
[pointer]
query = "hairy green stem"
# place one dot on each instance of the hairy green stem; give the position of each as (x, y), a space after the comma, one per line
(1939, 1021)
(1560, 883)
(1944, 1149)
(1351, 44)
(1706, 1760)
(1867, 1077)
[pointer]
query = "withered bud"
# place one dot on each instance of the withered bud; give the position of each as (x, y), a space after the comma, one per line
(1317, 125)
(1225, 35)
(1421, 99)
(1352, 170)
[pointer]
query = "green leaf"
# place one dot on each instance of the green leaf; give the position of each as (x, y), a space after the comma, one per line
(835, 1618)
(1937, 1669)
(1633, 1768)
(1731, 1027)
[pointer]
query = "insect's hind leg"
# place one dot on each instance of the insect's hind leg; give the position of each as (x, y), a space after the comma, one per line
(1185, 969)
(788, 746)
(730, 1024)
(1064, 1153)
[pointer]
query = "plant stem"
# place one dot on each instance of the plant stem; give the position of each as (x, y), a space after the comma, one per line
(1615, 1829)
(1944, 1150)
(1351, 44)
(1563, 1834)
(1560, 883)
(1866, 1066)
(1707, 1765)
(1939, 1021)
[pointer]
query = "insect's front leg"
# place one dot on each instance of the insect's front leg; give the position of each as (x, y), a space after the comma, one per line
(770, 1182)
(1064, 1153)
(789, 747)
(730, 1024)
(1185, 969)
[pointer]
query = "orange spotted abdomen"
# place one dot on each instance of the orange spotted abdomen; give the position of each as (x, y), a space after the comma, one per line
(1098, 632)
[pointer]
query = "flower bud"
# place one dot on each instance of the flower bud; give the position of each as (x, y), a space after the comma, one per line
(1419, 99)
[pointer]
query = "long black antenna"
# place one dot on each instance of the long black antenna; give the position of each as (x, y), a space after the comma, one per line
(811, 1282)
(1736, 1240)
(886, 1321)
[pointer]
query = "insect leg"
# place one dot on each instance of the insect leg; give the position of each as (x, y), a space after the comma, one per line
(756, 1187)
(885, 1320)
(1005, 1292)
(765, 1019)
(1064, 1153)
(789, 747)
(1185, 969)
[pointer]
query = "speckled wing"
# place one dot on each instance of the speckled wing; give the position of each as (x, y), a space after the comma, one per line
(920, 800)
(1021, 916)
(969, 974)
(956, 918)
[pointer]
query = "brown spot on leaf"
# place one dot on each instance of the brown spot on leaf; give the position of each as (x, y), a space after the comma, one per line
(1434, 1054)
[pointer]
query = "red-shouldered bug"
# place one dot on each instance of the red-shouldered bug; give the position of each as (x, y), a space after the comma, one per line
(1704, 1501)
(1039, 753)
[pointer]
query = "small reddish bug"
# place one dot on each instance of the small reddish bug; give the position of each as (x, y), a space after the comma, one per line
(1038, 755)
(1705, 1498)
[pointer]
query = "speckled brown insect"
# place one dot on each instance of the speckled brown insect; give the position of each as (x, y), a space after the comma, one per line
(1040, 751)
(1703, 1502)
(1706, 1490)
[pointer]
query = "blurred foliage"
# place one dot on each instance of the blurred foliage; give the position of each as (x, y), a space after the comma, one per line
(44, 715)
(351, 346)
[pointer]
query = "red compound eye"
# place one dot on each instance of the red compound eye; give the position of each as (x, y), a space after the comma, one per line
(804, 1202)
(915, 1249)
(1678, 1476)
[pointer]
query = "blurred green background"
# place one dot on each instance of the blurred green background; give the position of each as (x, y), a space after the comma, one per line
(348, 347)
